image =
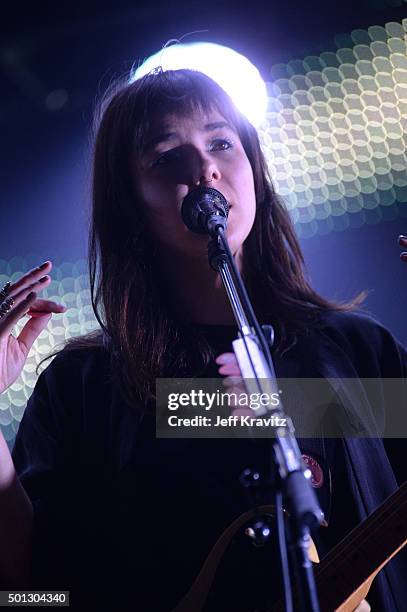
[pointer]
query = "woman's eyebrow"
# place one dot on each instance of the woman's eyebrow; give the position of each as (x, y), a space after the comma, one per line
(209, 127)
(150, 144)
(159, 138)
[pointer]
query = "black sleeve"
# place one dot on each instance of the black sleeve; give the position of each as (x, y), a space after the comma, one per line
(376, 354)
(369, 345)
(65, 453)
(386, 354)
(45, 456)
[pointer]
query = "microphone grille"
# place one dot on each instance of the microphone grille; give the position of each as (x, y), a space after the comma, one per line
(212, 195)
(200, 201)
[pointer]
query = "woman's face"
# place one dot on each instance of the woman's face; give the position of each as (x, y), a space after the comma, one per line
(181, 153)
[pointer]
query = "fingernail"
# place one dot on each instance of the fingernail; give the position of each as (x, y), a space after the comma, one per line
(225, 358)
(43, 279)
(401, 237)
(30, 296)
(43, 265)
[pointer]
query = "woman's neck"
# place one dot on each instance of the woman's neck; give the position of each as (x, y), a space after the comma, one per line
(194, 290)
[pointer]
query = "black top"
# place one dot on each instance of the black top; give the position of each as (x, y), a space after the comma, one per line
(121, 516)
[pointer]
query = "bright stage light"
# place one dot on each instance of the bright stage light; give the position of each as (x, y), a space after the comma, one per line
(231, 70)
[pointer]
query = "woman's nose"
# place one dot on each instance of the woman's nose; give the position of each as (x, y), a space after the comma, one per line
(207, 172)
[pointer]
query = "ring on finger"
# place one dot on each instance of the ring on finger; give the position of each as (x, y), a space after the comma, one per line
(6, 306)
(4, 291)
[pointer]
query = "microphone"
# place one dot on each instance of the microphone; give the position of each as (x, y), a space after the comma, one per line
(204, 210)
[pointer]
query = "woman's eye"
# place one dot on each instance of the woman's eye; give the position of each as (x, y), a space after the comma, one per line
(165, 158)
(173, 155)
(221, 144)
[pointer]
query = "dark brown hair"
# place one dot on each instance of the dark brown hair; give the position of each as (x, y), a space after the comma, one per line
(145, 336)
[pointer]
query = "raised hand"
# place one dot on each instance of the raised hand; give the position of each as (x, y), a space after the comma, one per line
(233, 381)
(17, 300)
(228, 365)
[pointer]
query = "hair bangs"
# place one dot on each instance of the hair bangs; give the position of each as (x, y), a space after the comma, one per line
(181, 93)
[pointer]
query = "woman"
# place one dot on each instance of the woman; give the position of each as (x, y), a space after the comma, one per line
(100, 505)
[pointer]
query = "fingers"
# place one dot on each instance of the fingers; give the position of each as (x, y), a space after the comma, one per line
(19, 294)
(30, 279)
(24, 295)
(403, 244)
(18, 310)
(32, 330)
(229, 365)
(35, 280)
(35, 308)
(237, 397)
(364, 606)
(42, 307)
(233, 381)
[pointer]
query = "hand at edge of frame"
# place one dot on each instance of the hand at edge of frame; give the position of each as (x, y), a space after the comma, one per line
(14, 350)
(403, 243)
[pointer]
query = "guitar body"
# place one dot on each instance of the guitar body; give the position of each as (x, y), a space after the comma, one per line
(210, 587)
(346, 573)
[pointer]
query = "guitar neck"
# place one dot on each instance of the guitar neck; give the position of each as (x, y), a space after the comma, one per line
(364, 551)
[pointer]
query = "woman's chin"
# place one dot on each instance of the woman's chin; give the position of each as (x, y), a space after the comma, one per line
(235, 240)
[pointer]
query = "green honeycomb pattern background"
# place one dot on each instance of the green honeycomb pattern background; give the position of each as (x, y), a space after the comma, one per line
(336, 132)
(335, 137)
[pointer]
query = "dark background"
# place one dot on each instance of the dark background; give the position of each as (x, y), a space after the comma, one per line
(78, 48)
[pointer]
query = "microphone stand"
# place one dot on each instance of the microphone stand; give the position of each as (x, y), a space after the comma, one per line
(256, 365)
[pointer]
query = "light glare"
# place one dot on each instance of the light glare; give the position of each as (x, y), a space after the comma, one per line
(231, 70)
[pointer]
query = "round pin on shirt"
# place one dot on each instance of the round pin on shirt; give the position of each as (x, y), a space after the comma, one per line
(317, 473)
